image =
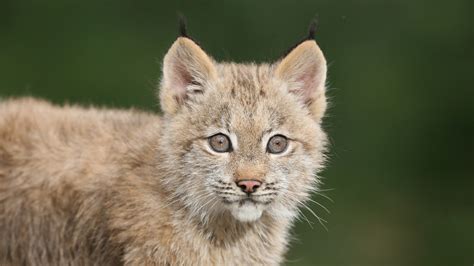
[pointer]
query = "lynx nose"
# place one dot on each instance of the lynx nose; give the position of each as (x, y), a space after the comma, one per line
(249, 186)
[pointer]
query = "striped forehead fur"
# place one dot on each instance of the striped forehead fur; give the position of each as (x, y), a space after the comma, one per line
(249, 79)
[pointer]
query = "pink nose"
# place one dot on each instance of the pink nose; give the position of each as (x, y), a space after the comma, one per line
(249, 186)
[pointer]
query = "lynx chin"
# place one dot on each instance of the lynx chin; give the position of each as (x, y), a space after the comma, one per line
(218, 179)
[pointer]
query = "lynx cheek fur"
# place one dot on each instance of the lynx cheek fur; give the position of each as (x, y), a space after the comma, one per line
(216, 180)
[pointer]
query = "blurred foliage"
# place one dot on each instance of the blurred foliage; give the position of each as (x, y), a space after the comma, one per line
(401, 82)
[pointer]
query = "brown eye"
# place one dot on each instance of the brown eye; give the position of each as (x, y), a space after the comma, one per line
(220, 143)
(277, 144)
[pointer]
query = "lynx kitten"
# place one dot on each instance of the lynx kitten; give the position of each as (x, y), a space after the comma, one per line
(217, 180)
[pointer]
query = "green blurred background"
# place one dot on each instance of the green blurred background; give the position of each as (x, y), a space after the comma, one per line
(401, 121)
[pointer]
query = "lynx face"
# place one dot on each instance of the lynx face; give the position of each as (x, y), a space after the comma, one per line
(243, 138)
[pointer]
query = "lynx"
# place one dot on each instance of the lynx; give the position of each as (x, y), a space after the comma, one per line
(217, 179)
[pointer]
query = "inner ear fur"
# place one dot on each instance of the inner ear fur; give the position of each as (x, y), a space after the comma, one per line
(186, 70)
(304, 70)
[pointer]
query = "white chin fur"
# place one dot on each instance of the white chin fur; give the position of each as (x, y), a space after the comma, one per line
(248, 212)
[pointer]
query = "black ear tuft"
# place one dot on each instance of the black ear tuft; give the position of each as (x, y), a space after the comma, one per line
(183, 28)
(310, 36)
(183, 31)
(312, 29)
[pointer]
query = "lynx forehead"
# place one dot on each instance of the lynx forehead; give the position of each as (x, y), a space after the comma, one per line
(216, 180)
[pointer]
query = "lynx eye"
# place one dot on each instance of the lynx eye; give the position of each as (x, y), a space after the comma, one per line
(277, 144)
(220, 143)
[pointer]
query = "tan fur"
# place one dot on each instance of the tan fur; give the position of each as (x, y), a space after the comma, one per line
(88, 186)
(256, 172)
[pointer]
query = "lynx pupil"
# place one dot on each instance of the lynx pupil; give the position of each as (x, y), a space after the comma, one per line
(220, 143)
(277, 144)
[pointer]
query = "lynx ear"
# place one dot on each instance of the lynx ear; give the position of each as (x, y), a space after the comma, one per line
(303, 69)
(186, 70)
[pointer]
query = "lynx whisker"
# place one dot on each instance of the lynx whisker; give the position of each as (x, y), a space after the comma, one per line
(323, 195)
(321, 220)
(320, 205)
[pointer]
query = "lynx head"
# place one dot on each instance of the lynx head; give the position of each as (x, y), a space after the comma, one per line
(243, 139)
